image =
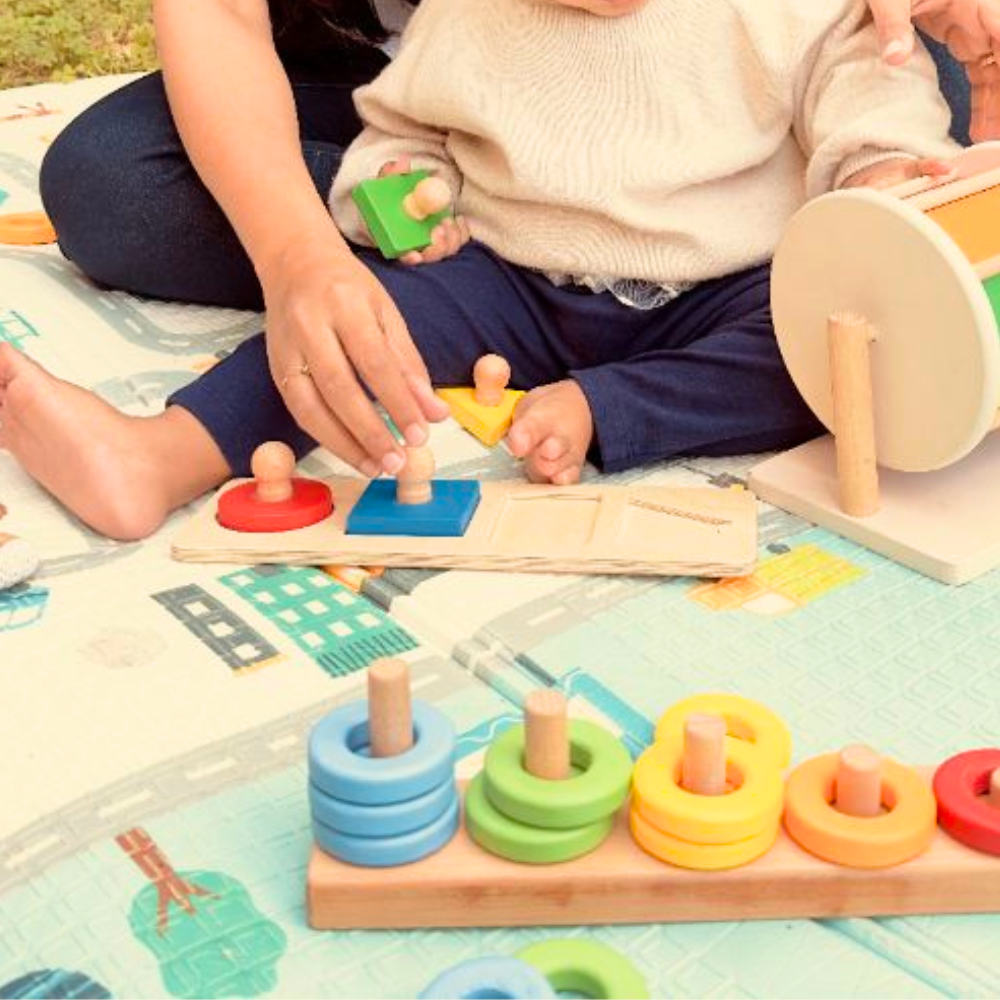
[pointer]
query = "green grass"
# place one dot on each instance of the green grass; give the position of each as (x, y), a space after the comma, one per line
(64, 39)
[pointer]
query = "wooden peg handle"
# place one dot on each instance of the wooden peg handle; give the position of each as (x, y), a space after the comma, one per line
(850, 338)
(703, 764)
(430, 196)
(546, 735)
(413, 482)
(490, 377)
(994, 789)
(272, 465)
(390, 709)
(859, 782)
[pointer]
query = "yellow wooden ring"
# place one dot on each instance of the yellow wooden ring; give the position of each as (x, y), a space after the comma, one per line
(745, 720)
(703, 857)
(857, 841)
(708, 819)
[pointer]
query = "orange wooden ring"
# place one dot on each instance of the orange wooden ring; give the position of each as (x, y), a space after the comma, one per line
(854, 841)
(25, 229)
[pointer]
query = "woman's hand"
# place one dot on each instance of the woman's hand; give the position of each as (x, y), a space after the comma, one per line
(330, 326)
(447, 238)
(970, 29)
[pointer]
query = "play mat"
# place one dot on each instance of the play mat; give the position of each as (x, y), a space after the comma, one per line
(141, 696)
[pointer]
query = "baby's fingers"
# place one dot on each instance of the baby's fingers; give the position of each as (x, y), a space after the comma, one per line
(397, 166)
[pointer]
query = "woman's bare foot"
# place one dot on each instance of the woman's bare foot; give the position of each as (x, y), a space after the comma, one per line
(552, 431)
(119, 474)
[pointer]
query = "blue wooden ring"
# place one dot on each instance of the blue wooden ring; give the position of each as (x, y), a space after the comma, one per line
(386, 852)
(381, 821)
(340, 766)
(489, 977)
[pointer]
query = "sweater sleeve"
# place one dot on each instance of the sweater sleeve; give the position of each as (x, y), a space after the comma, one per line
(853, 111)
(397, 122)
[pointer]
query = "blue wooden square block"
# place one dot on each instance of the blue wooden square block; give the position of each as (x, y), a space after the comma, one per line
(447, 515)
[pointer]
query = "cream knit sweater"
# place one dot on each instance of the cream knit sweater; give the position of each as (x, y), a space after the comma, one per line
(669, 145)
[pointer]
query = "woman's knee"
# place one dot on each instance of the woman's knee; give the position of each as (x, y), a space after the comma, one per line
(99, 181)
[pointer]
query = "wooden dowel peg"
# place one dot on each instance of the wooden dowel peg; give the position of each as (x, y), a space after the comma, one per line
(390, 708)
(850, 338)
(858, 790)
(272, 465)
(703, 765)
(994, 789)
(546, 735)
(430, 196)
(490, 377)
(413, 482)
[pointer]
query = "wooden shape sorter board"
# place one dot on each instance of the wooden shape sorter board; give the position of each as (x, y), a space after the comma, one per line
(943, 524)
(463, 886)
(520, 527)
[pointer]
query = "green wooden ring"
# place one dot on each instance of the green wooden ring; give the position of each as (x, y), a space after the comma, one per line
(499, 834)
(576, 965)
(594, 794)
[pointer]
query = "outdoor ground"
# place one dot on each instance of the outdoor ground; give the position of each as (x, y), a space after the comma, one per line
(65, 39)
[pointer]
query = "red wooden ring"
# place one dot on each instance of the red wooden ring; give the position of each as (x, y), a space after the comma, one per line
(241, 510)
(963, 810)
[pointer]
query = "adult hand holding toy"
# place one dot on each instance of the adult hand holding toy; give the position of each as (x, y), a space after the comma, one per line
(970, 29)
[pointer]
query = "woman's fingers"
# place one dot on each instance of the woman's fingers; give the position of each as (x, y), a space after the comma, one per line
(312, 414)
(895, 33)
(984, 79)
(415, 371)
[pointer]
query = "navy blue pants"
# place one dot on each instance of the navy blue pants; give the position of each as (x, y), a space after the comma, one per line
(701, 375)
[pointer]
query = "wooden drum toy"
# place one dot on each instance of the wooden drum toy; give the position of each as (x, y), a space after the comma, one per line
(886, 306)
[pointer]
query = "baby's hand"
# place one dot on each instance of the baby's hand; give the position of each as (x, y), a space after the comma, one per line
(889, 173)
(447, 238)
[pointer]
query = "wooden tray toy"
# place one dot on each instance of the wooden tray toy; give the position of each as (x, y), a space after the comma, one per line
(515, 526)
(886, 310)
(705, 789)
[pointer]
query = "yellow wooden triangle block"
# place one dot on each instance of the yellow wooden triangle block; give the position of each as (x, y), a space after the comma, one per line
(488, 423)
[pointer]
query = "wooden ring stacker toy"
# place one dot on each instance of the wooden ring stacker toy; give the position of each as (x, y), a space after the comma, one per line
(594, 792)
(700, 857)
(576, 965)
(390, 819)
(274, 500)
(833, 808)
(745, 720)
(498, 977)
(25, 229)
(534, 845)
(384, 754)
(387, 852)
(753, 805)
(885, 307)
(557, 815)
(967, 788)
(685, 811)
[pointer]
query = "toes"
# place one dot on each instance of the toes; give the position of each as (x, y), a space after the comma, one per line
(10, 360)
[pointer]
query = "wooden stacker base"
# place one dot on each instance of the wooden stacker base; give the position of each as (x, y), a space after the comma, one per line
(463, 886)
(943, 524)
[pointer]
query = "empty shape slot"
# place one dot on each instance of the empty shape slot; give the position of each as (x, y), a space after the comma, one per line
(649, 524)
(548, 523)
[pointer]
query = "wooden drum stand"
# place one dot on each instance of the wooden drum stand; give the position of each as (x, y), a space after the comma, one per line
(886, 308)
